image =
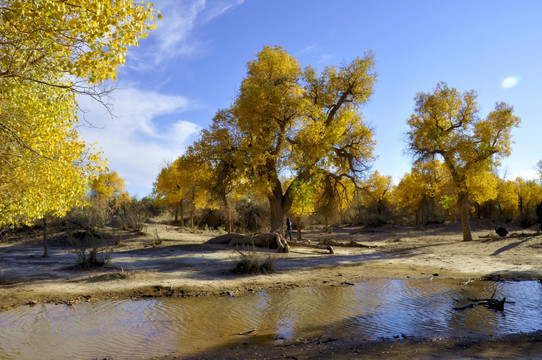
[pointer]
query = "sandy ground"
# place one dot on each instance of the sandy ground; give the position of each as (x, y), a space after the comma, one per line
(184, 265)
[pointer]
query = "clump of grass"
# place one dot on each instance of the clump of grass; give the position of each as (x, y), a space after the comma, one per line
(253, 262)
(156, 241)
(90, 257)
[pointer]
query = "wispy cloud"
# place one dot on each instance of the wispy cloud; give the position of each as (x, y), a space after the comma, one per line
(217, 8)
(316, 52)
(175, 34)
(145, 132)
(308, 49)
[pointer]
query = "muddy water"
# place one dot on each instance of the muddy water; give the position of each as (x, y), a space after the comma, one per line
(373, 309)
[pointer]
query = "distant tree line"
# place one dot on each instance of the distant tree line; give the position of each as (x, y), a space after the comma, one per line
(297, 139)
(425, 195)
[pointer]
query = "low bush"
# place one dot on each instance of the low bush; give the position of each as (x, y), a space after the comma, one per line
(92, 216)
(89, 252)
(252, 216)
(133, 216)
(252, 262)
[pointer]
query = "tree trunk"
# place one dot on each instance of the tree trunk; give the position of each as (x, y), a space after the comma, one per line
(192, 218)
(228, 213)
(279, 204)
(298, 223)
(463, 209)
(45, 252)
(181, 212)
(277, 214)
(228, 225)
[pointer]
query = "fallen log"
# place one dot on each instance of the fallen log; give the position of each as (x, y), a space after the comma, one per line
(269, 241)
(491, 303)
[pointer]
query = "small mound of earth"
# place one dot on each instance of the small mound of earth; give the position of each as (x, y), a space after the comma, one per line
(105, 277)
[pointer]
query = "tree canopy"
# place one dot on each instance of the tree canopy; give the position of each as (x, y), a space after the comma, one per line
(75, 40)
(446, 125)
(51, 51)
(289, 123)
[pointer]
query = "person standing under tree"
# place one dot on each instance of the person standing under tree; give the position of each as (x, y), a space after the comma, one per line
(289, 228)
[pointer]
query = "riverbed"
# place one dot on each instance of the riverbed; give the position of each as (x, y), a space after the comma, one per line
(375, 309)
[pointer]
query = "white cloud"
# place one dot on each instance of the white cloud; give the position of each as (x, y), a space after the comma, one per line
(175, 34)
(510, 81)
(526, 174)
(219, 7)
(144, 133)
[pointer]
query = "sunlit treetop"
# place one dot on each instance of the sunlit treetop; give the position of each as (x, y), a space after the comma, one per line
(76, 39)
(446, 125)
(107, 185)
(292, 122)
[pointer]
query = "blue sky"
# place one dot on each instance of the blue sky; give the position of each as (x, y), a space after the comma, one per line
(193, 63)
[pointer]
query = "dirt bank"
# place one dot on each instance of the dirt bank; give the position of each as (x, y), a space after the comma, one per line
(515, 346)
(182, 264)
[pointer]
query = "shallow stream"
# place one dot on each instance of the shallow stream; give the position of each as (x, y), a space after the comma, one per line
(372, 309)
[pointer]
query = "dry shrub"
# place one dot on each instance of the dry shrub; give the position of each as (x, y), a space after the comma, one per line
(95, 215)
(252, 216)
(133, 216)
(89, 250)
(252, 262)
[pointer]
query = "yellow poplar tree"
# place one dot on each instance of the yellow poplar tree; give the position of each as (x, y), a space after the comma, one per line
(304, 203)
(107, 189)
(107, 185)
(293, 121)
(195, 179)
(215, 152)
(185, 181)
(378, 192)
(446, 125)
(333, 198)
(528, 194)
(420, 191)
(483, 189)
(44, 166)
(167, 189)
(507, 200)
(51, 51)
(77, 40)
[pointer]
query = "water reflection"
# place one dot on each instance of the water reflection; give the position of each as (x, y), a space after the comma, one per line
(373, 309)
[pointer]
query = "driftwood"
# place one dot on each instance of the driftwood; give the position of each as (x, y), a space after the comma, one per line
(327, 248)
(269, 240)
(491, 303)
(492, 237)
